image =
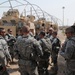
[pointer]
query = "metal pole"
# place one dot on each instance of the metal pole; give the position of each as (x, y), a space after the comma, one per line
(10, 4)
(25, 12)
(63, 15)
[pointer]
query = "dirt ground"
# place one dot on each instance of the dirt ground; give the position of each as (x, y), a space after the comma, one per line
(13, 69)
(61, 60)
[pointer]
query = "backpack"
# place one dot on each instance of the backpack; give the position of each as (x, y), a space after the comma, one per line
(47, 47)
(47, 44)
(27, 50)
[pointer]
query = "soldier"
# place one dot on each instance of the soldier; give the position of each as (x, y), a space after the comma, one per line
(4, 53)
(68, 51)
(49, 35)
(47, 47)
(37, 36)
(29, 50)
(55, 49)
(20, 34)
(10, 40)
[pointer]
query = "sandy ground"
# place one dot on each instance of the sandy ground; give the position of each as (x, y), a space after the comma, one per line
(13, 69)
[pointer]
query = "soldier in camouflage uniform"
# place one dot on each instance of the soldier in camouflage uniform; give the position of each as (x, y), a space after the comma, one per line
(49, 35)
(4, 53)
(10, 38)
(68, 51)
(55, 50)
(46, 47)
(29, 51)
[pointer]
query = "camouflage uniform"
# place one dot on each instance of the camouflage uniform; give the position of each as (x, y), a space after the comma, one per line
(44, 62)
(4, 53)
(49, 35)
(27, 66)
(68, 52)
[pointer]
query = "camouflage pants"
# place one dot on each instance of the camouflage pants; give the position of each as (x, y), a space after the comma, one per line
(11, 50)
(27, 67)
(54, 57)
(42, 67)
(70, 67)
(3, 60)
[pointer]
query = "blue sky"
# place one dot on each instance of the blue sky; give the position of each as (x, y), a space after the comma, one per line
(54, 7)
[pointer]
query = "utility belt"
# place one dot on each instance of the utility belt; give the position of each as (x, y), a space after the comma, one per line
(26, 59)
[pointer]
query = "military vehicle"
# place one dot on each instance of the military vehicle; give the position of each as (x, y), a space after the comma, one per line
(42, 24)
(35, 17)
(12, 19)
